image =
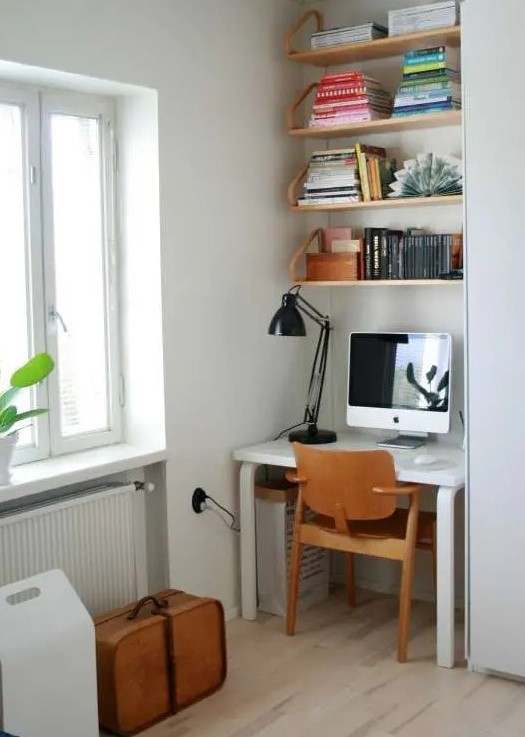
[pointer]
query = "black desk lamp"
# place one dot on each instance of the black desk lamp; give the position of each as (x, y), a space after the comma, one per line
(288, 321)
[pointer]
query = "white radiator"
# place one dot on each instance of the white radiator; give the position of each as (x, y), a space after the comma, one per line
(97, 538)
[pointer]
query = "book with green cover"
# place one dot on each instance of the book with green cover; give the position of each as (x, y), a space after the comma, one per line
(430, 66)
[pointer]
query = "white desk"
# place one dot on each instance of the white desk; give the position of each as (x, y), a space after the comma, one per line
(448, 477)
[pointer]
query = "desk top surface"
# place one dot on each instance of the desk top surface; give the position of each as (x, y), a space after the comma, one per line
(447, 470)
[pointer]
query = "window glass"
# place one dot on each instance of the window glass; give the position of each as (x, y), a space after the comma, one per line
(15, 332)
(80, 273)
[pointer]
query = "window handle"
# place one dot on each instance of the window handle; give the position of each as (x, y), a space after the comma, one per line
(54, 314)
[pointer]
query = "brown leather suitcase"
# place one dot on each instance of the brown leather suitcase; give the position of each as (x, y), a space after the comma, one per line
(156, 657)
(133, 668)
(196, 646)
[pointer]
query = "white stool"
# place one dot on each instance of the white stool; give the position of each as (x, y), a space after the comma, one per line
(47, 660)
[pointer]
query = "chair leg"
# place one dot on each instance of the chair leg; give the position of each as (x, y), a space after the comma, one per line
(407, 575)
(295, 567)
(350, 579)
(293, 586)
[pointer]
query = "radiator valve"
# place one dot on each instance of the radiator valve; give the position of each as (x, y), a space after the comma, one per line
(146, 486)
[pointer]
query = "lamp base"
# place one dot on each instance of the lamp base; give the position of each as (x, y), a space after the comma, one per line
(312, 436)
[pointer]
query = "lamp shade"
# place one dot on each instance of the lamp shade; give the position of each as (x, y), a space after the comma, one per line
(287, 320)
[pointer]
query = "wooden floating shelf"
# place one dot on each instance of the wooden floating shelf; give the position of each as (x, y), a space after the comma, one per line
(455, 199)
(381, 283)
(412, 122)
(378, 49)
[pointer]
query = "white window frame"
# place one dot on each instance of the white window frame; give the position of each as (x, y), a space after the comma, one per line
(101, 108)
(38, 105)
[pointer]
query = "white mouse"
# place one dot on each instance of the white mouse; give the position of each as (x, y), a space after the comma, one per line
(424, 459)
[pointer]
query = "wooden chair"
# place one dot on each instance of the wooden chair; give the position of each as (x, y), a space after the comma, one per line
(353, 495)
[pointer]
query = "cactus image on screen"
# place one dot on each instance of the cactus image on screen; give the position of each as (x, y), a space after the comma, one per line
(436, 399)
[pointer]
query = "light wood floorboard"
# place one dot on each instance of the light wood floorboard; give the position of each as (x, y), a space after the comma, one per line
(338, 677)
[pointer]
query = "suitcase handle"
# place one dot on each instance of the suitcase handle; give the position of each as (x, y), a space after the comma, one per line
(159, 603)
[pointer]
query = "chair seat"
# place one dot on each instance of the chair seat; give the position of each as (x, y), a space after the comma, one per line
(390, 527)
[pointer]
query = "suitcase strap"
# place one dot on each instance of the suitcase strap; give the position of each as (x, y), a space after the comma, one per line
(159, 604)
(196, 603)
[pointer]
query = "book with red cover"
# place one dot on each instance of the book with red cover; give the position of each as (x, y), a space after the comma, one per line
(336, 102)
(324, 95)
(346, 74)
(342, 111)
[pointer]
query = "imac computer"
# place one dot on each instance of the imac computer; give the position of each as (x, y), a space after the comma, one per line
(400, 381)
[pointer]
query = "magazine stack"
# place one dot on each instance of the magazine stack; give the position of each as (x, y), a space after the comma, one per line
(423, 18)
(332, 178)
(348, 35)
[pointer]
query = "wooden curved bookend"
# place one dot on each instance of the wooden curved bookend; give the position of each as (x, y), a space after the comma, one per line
(300, 23)
(303, 248)
(290, 112)
(292, 187)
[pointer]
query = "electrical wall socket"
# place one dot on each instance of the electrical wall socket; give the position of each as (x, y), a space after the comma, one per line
(198, 500)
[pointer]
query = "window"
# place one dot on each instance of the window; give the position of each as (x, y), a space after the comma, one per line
(58, 246)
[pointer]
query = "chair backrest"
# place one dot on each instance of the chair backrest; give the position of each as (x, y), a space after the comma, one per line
(344, 479)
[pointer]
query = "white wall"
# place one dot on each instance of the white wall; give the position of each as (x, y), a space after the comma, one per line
(423, 309)
(226, 234)
(140, 266)
(495, 309)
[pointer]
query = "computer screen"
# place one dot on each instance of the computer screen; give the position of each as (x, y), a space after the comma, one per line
(399, 381)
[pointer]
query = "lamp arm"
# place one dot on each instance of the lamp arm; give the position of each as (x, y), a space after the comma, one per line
(318, 372)
(308, 309)
(319, 320)
(317, 375)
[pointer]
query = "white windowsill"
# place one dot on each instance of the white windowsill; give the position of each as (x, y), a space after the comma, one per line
(75, 468)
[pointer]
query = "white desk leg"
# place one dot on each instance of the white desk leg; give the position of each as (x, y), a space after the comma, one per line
(248, 550)
(445, 576)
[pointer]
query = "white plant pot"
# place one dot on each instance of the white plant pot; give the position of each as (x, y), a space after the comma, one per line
(7, 446)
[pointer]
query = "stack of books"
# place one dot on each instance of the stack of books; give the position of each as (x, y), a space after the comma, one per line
(431, 83)
(349, 97)
(376, 171)
(394, 254)
(423, 18)
(348, 35)
(332, 178)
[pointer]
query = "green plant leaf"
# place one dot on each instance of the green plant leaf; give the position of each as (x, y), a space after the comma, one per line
(7, 418)
(13, 420)
(7, 396)
(35, 370)
(30, 413)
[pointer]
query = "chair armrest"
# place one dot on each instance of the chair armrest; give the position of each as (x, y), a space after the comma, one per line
(293, 477)
(401, 490)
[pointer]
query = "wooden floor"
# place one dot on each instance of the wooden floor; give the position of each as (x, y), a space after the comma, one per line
(338, 678)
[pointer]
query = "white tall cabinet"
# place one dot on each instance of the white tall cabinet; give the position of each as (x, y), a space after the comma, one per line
(492, 48)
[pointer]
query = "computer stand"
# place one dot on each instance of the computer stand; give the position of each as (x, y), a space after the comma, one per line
(407, 442)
